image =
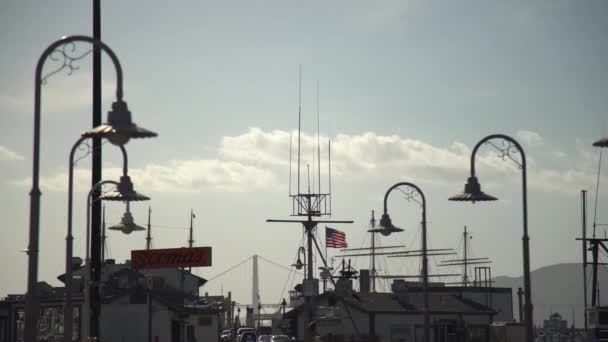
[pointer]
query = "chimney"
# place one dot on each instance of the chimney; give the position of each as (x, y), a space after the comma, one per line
(364, 281)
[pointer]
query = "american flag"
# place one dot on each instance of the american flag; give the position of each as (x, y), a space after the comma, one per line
(335, 238)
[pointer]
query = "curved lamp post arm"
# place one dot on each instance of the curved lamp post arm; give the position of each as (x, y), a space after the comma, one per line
(505, 152)
(425, 269)
(413, 186)
(97, 44)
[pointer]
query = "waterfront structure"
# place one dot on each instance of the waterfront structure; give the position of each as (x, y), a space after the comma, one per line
(454, 313)
(163, 304)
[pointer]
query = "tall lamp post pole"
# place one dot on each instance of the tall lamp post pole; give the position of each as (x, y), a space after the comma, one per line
(125, 193)
(118, 130)
(472, 193)
(68, 310)
(386, 227)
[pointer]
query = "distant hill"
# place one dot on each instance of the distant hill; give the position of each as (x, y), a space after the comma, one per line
(558, 288)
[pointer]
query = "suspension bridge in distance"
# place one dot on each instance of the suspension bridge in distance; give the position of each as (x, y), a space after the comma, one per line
(256, 304)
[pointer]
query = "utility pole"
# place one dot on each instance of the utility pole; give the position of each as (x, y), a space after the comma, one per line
(95, 267)
(584, 228)
(103, 233)
(191, 240)
(192, 216)
(520, 293)
(373, 222)
(149, 237)
(465, 279)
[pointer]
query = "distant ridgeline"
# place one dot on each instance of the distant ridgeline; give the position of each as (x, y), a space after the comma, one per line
(558, 288)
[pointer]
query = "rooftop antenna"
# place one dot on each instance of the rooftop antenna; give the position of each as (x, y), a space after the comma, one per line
(308, 207)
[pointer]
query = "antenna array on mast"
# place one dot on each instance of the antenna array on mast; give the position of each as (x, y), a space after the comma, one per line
(311, 202)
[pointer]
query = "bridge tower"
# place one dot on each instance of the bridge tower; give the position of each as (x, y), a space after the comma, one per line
(255, 287)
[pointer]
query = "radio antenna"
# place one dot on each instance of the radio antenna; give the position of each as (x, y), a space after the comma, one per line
(318, 141)
(329, 153)
(299, 124)
(313, 166)
(308, 170)
(290, 149)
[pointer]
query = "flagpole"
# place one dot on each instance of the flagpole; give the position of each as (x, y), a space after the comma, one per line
(191, 241)
(326, 256)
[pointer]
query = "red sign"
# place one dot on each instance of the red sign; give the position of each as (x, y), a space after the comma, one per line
(171, 257)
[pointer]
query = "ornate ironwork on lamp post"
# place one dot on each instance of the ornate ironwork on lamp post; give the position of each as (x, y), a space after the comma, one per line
(118, 130)
(387, 227)
(472, 193)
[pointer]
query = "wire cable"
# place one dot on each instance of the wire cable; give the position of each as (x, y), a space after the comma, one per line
(230, 269)
(292, 271)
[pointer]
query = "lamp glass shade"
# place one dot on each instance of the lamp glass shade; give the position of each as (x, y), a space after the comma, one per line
(127, 224)
(119, 128)
(386, 227)
(601, 143)
(124, 192)
(472, 192)
(299, 264)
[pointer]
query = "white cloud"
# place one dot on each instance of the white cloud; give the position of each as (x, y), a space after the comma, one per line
(257, 146)
(201, 175)
(8, 154)
(175, 176)
(258, 159)
(529, 138)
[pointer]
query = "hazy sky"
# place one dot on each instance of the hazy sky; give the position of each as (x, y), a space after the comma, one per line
(406, 90)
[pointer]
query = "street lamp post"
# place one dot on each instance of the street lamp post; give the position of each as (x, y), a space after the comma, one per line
(68, 310)
(387, 227)
(118, 130)
(472, 193)
(124, 192)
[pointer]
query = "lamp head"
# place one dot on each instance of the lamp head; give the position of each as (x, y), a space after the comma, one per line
(386, 227)
(472, 192)
(601, 143)
(119, 128)
(127, 224)
(124, 192)
(299, 264)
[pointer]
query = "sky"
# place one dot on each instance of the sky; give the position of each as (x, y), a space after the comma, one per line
(406, 89)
